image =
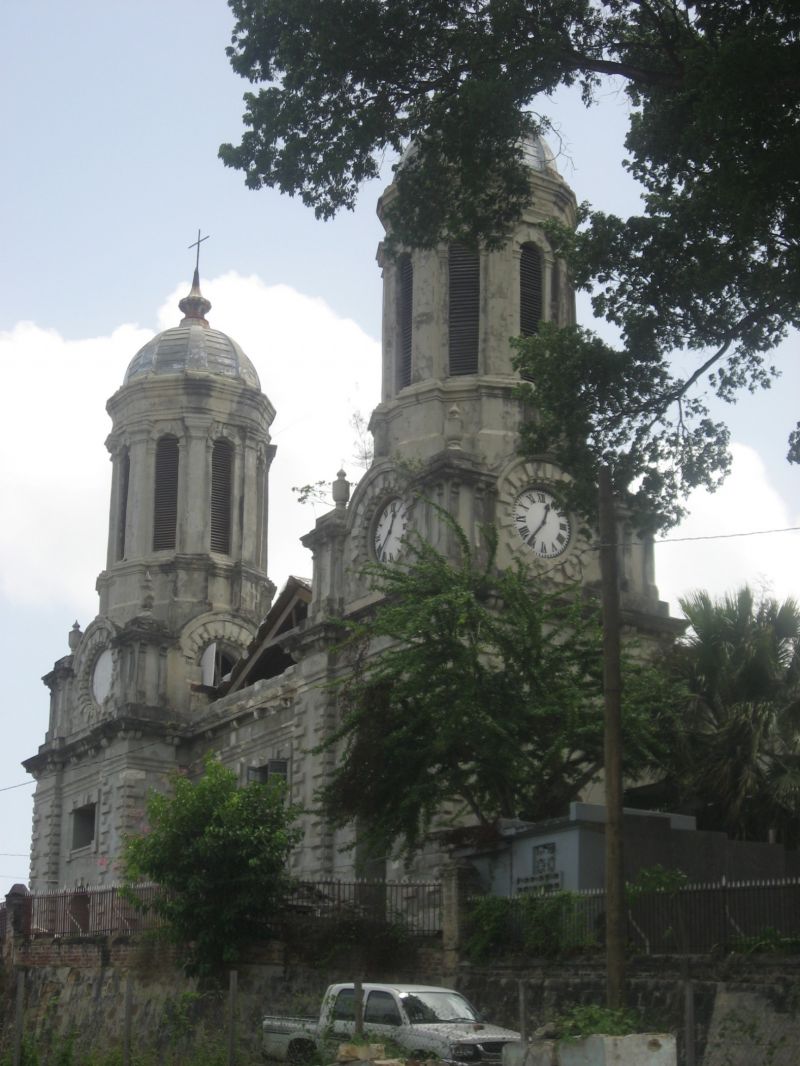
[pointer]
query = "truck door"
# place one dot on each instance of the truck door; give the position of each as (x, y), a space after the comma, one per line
(343, 1012)
(382, 1015)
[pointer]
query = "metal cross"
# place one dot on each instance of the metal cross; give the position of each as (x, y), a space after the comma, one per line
(196, 244)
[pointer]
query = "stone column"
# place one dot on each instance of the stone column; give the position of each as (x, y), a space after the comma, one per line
(194, 486)
(458, 881)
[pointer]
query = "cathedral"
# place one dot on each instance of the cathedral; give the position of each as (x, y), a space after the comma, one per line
(192, 652)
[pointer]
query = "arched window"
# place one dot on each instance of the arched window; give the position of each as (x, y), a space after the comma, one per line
(221, 482)
(530, 290)
(122, 509)
(464, 277)
(405, 309)
(165, 501)
(216, 664)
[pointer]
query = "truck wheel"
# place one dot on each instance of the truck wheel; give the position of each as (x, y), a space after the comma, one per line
(300, 1052)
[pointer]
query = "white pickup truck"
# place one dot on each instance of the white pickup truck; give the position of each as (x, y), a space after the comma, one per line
(425, 1020)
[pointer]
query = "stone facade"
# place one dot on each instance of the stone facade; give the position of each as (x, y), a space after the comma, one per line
(186, 655)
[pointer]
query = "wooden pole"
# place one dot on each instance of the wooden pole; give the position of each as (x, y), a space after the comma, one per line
(18, 1017)
(232, 996)
(612, 689)
(126, 1032)
(358, 1006)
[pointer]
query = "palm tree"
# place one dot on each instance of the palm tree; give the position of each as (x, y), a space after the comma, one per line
(737, 760)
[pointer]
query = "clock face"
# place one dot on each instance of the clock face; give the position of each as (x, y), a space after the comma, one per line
(390, 526)
(541, 522)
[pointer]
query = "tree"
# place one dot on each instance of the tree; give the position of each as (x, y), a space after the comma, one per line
(219, 852)
(471, 691)
(736, 749)
(709, 267)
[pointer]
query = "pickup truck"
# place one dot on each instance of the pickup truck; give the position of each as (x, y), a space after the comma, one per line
(427, 1021)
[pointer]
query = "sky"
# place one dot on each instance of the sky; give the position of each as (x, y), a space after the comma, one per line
(111, 115)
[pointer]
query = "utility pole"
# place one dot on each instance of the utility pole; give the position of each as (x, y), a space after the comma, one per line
(612, 690)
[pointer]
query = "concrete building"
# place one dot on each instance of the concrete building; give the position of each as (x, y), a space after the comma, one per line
(190, 651)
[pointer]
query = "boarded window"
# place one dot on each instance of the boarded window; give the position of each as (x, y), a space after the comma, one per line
(122, 513)
(83, 824)
(221, 481)
(464, 277)
(530, 290)
(165, 504)
(405, 310)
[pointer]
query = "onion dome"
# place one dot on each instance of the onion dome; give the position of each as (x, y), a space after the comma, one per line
(193, 345)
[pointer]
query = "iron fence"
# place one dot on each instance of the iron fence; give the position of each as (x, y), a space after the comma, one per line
(694, 919)
(414, 905)
(93, 911)
(96, 911)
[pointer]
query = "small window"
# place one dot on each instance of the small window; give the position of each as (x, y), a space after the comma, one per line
(273, 770)
(165, 503)
(344, 1009)
(122, 513)
(405, 311)
(221, 481)
(464, 304)
(381, 1009)
(83, 826)
(530, 290)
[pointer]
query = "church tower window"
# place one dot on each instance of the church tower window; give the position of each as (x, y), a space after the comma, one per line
(464, 316)
(221, 483)
(124, 485)
(165, 501)
(405, 308)
(530, 290)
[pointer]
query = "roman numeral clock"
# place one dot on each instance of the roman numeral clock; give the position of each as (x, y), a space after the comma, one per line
(535, 525)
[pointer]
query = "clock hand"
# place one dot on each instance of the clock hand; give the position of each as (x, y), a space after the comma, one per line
(532, 536)
(388, 531)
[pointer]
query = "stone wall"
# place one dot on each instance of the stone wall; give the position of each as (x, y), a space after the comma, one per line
(747, 1009)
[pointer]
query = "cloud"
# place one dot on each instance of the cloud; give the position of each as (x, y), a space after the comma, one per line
(745, 503)
(316, 367)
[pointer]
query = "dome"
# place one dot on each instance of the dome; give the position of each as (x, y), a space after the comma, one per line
(193, 345)
(536, 153)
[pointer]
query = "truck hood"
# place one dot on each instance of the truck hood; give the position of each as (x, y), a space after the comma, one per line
(464, 1032)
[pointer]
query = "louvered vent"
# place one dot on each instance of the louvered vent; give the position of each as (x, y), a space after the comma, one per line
(165, 504)
(530, 290)
(221, 479)
(464, 273)
(124, 483)
(405, 308)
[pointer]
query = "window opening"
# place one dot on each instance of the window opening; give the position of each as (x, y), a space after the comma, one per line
(216, 664)
(530, 290)
(464, 303)
(83, 823)
(221, 484)
(122, 514)
(272, 770)
(165, 504)
(405, 310)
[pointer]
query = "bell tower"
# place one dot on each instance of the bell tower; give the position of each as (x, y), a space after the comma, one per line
(184, 588)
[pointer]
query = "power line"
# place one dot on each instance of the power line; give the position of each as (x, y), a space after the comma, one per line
(22, 784)
(728, 536)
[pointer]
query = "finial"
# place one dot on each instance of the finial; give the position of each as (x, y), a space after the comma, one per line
(195, 306)
(74, 637)
(340, 489)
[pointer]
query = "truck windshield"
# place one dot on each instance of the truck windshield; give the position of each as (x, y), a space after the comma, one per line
(425, 1007)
